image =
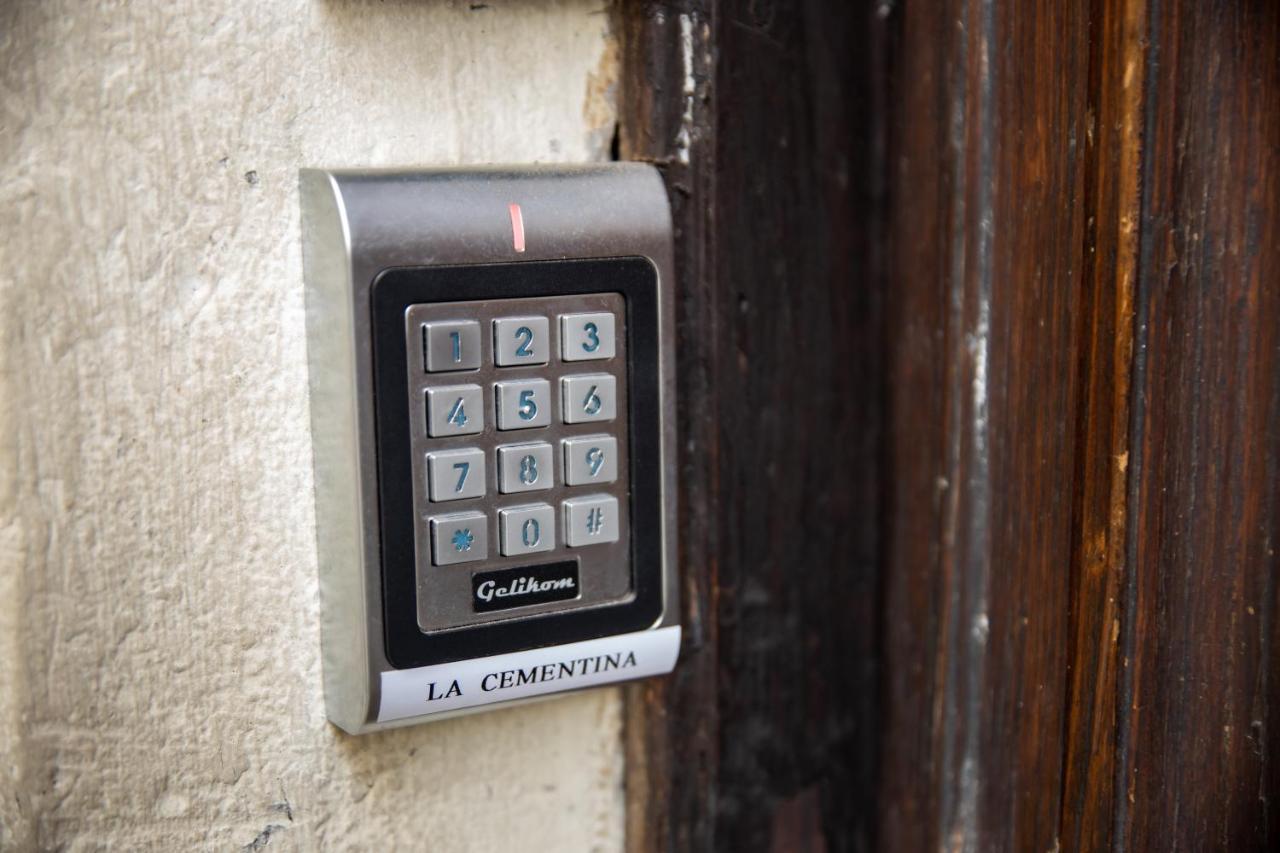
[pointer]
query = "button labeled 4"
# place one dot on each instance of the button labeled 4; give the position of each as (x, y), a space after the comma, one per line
(454, 410)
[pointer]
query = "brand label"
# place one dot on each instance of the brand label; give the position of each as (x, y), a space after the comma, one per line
(520, 587)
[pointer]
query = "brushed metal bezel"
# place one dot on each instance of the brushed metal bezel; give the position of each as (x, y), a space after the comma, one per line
(357, 224)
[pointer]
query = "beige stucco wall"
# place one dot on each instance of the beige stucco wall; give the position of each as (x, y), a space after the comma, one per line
(159, 669)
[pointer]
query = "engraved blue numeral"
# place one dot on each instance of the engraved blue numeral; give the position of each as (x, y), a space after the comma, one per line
(528, 408)
(463, 467)
(458, 414)
(591, 403)
(593, 335)
(595, 458)
(456, 338)
(531, 533)
(525, 335)
(529, 470)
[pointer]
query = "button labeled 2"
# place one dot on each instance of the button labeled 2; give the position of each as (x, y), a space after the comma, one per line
(521, 340)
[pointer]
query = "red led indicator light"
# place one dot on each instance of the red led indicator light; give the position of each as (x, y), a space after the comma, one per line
(517, 226)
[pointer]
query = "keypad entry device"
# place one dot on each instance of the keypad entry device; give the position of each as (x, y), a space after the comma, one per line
(520, 468)
(492, 398)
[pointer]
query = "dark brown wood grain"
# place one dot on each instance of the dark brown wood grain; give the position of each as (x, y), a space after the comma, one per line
(1199, 720)
(990, 125)
(1113, 152)
(764, 738)
(983, 298)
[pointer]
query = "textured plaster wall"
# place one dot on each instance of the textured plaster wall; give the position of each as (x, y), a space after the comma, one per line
(159, 670)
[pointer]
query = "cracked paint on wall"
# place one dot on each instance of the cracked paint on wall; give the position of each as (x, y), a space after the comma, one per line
(159, 651)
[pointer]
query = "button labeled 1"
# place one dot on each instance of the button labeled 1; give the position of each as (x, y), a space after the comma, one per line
(524, 403)
(591, 520)
(587, 398)
(590, 459)
(456, 474)
(521, 340)
(586, 336)
(451, 345)
(527, 529)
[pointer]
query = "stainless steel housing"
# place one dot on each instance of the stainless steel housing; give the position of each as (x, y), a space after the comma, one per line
(358, 223)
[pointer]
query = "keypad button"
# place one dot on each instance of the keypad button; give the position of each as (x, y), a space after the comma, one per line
(591, 520)
(521, 340)
(527, 529)
(454, 410)
(524, 403)
(462, 537)
(525, 468)
(454, 475)
(588, 398)
(590, 459)
(451, 345)
(586, 336)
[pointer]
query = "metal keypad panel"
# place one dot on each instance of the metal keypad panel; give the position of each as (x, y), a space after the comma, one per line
(519, 445)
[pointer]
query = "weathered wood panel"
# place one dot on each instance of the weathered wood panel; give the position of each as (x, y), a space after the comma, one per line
(987, 295)
(1066, 303)
(1201, 705)
(765, 736)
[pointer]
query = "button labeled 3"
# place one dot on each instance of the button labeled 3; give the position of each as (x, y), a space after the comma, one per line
(454, 410)
(451, 345)
(591, 520)
(527, 529)
(586, 336)
(590, 459)
(524, 403)
(456, 474)
(462, 537)
(521, 340)
(587, 398)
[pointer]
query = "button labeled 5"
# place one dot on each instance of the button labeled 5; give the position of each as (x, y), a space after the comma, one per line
(586, 336)
(454, 475)
(454, 410)
(587, 398)
(524, 403)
